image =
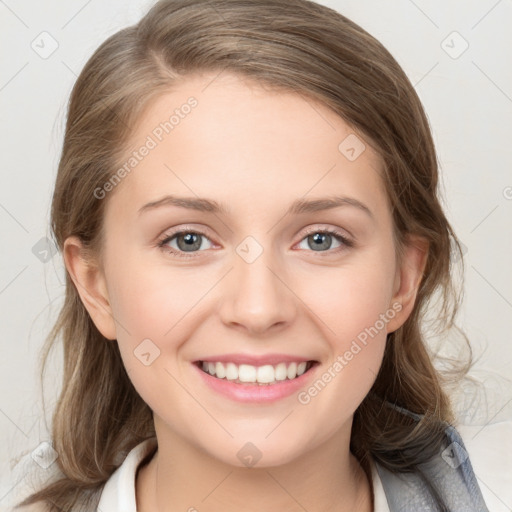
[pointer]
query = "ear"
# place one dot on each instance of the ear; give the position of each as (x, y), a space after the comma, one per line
(90, 283)
(407, 279)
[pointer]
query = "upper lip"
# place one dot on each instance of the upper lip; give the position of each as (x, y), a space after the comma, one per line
(255, 360)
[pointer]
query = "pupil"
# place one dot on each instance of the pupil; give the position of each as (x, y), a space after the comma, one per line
(319, 239)
(191, 242)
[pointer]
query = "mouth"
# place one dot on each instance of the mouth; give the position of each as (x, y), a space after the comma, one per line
(251, 375)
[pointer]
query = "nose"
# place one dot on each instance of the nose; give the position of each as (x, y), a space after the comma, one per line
(257, 297)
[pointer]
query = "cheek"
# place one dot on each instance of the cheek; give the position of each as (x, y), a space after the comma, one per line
(152, 305)
(154, 299)
(164, 305)
(351, 299)
(356, 335)
(353, 306)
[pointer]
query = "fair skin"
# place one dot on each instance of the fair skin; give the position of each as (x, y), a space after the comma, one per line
(254, 152)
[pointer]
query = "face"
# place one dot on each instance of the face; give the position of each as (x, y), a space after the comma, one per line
(219, 246)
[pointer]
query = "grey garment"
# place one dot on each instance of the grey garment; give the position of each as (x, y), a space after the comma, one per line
(450, 473)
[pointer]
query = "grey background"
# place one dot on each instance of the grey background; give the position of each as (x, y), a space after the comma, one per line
(467, 96)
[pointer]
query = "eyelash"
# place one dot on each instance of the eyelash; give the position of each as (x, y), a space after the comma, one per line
(330, 231)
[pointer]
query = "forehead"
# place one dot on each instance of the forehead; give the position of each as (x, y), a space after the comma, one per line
(224, 135)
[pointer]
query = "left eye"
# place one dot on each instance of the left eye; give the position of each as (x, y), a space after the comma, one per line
(322, 240)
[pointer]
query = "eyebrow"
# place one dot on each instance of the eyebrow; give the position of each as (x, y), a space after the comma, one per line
(297, 207)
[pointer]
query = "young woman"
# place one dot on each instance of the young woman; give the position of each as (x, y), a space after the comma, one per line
(247, 207)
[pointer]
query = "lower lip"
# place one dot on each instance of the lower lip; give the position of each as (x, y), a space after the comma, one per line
(254, 393)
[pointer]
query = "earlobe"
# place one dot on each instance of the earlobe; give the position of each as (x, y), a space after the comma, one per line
(408, 278)
(91, 286)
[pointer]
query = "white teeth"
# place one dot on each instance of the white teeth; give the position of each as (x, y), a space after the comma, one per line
(292, 370)
(220, 371)
(231, 371)
(281, 371)
(247, 373)
(301, 368)
(266, 374)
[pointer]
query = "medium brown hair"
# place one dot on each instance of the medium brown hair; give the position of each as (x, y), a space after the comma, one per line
(295, 46)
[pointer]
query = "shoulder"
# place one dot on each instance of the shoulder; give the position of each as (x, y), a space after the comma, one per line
(489, 447)
(26, 478)
(447, 479)
(119, 490)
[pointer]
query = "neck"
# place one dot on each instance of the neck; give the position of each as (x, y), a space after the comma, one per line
(182, 477)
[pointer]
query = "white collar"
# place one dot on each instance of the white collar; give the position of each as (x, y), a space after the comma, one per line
(118, 494)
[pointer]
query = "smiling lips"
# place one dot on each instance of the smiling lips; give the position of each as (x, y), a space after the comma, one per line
(256, 379)
(247, 373)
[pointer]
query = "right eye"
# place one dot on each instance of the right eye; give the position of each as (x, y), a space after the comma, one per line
(185, 241)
